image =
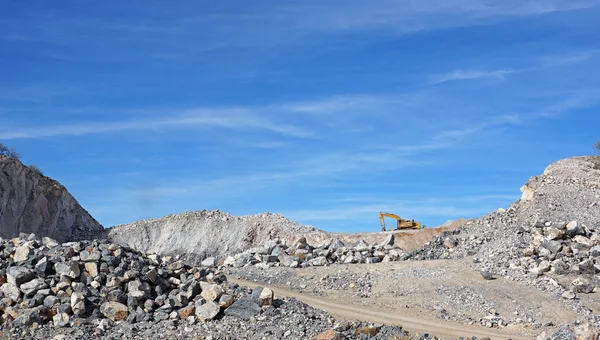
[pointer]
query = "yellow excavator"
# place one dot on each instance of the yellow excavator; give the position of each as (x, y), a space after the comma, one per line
(401, 223)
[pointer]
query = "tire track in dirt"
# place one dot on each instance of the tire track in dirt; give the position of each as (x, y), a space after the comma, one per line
(410, 323)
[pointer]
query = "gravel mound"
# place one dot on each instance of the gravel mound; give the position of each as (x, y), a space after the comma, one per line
(33, 203)
(196, 235)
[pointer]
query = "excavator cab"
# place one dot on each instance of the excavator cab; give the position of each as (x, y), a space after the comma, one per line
(400, 222)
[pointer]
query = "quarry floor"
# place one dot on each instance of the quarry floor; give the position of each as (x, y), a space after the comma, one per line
(446, 298)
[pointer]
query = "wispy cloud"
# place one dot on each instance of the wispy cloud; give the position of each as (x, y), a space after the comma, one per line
(278, 25)
(233, 119)
(469, 75)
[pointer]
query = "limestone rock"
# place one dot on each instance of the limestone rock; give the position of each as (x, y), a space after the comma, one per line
(22, 253)
(207, 311)
(211, 292)
(114, 311)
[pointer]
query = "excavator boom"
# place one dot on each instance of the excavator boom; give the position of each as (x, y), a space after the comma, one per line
(401, 223)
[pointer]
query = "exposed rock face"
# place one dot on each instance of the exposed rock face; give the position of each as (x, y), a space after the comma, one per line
(32, 203)
(197, 235)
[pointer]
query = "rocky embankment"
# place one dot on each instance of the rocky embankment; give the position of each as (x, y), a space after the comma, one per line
(200, 234)
(550, 238)
(33, 203)
(99, 289)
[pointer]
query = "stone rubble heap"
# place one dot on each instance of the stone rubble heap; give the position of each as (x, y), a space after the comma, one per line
(194, 235)
(96, 288)
(276, 253)
(45, 282)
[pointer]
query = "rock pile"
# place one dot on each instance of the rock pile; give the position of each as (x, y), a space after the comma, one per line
(276, 253)
(194, 235)
(43, 282)
(96, 288)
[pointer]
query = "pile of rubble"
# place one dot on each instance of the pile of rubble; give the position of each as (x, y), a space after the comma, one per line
(44, 282)
(550, 238)
(276, 253)
(98, 288)
(195, 235)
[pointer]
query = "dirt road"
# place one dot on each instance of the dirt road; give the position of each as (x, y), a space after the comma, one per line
(432, 326)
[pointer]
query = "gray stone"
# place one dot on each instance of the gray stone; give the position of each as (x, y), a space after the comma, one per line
(49, 242)
(226, 301)
(90, 255)
(582, 285)
(362, 246)
(11, 291)
(50, 301)
(568, 295)
(544, 266)
(209, 262)
(28, 318)
(389, 240)
(319, 261)
(138, 289)
(487, 275)
(373, 259)
(207, 311)
(553, 246)
(68, 269)
(78, 303)
(42, 267)
(243, 308)
(286, 260)
(31, 287)
(19, 275)
(269, 258)
(61, 320)
(573, 229)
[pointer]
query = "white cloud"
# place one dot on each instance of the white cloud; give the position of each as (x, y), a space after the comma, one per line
(469, 75)
(233, 119)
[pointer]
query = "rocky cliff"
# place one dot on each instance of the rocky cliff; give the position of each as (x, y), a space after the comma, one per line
(33, 203)
(198, 234)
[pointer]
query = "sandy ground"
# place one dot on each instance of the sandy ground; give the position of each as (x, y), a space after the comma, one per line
(448, 298)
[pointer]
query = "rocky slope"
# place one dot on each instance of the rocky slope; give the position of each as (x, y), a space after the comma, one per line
(33, 203)
(550, 238)
(199, 234)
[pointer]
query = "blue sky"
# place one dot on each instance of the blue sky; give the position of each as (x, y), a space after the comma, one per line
(325, 111)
